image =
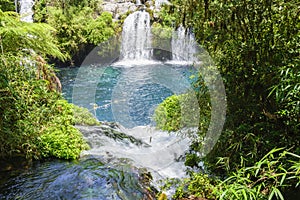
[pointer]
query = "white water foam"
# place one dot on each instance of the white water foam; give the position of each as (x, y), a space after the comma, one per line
(136, 37)
(26, 11)
(184, 46)
(161, 155)
(126, 63)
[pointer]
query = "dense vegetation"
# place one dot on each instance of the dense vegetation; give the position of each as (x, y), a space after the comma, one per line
(181, 111)
(80, 25)
(35, 121)
(256, 47)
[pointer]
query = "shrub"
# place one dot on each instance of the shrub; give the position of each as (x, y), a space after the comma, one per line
(35, 122)
(269, 178)
(185, 110)
(32, 111)
(200, 185)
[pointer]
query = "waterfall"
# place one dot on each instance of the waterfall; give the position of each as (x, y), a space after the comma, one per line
(136, 37)
(16, 6)
(184, 47)
(138, 2)
(26, 10)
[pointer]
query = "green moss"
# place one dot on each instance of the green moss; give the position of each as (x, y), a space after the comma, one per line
(168, 114)
(62, 142)
(83, 116)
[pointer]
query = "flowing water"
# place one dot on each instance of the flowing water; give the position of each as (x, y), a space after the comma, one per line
(138, 2)
(184, 46)
(136, 37)
(126, 150)
(121, 153)
(88, 178)
(26, 11)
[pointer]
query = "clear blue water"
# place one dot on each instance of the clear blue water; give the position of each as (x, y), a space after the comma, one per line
(87, 179)
(128, 95)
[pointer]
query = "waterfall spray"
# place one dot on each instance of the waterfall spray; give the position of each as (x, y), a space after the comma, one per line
(184, 47)
(136, 37)
(26, 10)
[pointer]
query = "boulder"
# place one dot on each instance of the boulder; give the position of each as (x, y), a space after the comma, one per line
(119, 7)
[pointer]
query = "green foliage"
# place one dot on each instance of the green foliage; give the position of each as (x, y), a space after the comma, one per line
(287, 93)
(66, 4)
(168, 114)
(83, 116)
(35, 121)
(180, 111)
(167, 16)
(7, 5)
(191, 159)
(78, 25)
(266, 179)
(160, 31)
(29, 38)
(61, 139)
(200, 185)
(101, 29)
(255, 45)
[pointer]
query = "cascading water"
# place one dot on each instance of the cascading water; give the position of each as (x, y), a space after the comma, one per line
(136, 37)
(26, 10)
(111, 168)
(128, 96)
(184, 47)
(138, 3)
(16, 5)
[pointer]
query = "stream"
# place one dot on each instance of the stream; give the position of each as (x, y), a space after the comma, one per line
(129, 157)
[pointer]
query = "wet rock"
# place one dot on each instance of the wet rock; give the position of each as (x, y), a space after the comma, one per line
(111, 130)
(14, 163)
